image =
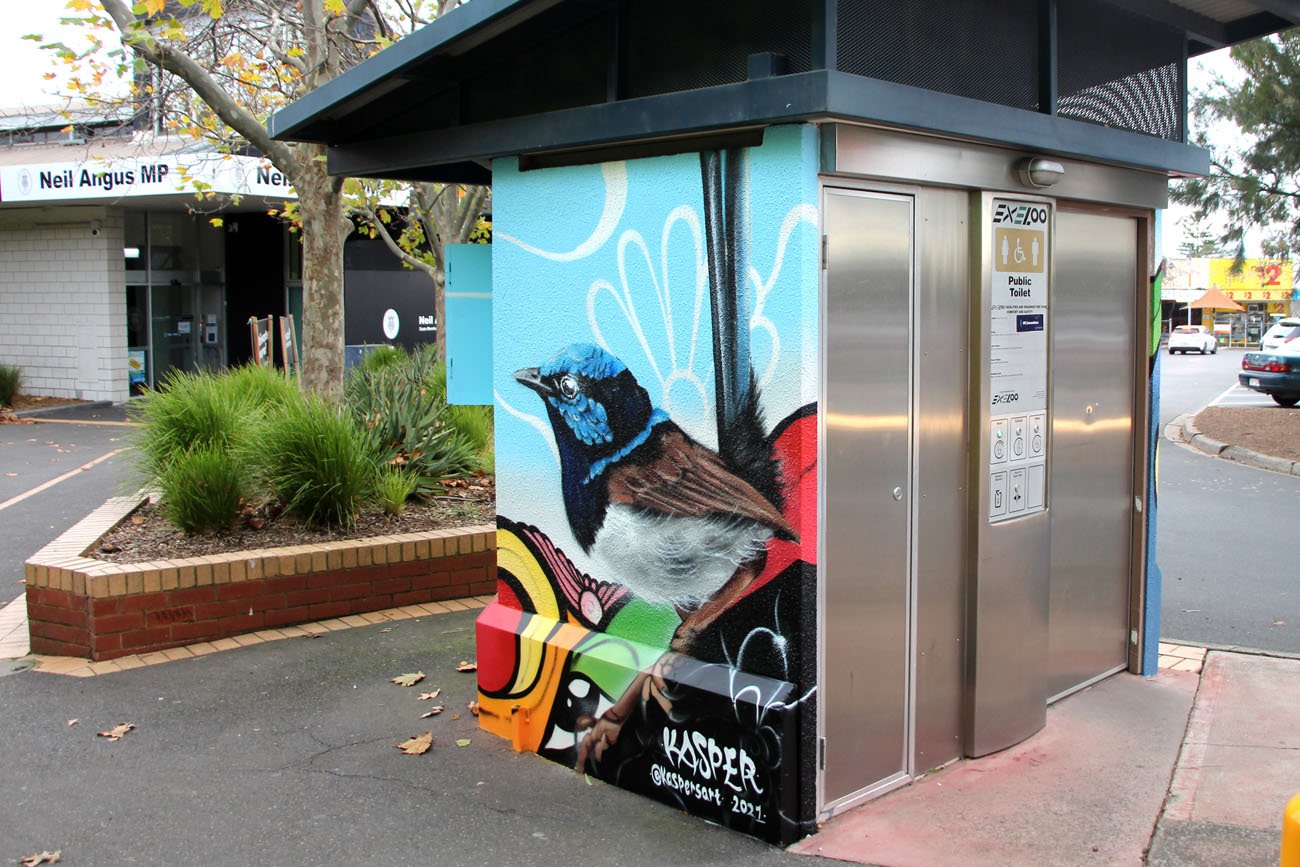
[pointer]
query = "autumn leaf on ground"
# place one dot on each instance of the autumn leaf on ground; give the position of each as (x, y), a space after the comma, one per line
(433, 711)
(473, 707)
(416, 746)
(462, 742)
(409, 679)
(467, 666)
(41, 858)
(430, 696)
(117, 731)
(73, 722)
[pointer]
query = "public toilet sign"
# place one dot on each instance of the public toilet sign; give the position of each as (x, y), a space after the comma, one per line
(117, 178)
(1017, 362)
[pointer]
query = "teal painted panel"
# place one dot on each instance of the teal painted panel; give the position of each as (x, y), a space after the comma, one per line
(469, 324)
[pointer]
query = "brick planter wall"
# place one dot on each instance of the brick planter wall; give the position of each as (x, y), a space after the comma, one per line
(78, 606)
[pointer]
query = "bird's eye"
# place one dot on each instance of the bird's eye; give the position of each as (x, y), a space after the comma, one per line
(568, 386)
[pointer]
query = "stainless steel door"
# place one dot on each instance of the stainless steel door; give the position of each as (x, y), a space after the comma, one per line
(1093, 327)
(866, 412)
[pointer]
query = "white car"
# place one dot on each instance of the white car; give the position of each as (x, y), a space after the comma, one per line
(1192, 338)
(1285, 334)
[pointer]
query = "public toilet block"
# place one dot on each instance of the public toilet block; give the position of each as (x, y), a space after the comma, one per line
(821, 363)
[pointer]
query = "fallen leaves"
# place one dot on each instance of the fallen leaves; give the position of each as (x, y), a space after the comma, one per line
(117, 732)
(41, 858)
(417, 745)
(430, 696)
(409, 679)
(433, 711)
(467, 666)
(73, 722)
(473, 707)
(462, 742)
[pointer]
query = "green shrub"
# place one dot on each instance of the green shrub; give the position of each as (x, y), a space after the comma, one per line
(188, 410)
(393, 487)
(408, 425)
(474, 425)
(202, 488)
(428, 371)
(10, 380)
(381, 357)
(264, 386)
(315, 460)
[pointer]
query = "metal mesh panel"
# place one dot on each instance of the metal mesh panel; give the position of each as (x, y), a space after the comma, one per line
(982, 49)
(682, 46)
(1119, 70)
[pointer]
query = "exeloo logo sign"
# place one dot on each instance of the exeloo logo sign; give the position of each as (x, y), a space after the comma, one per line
(1021, 214)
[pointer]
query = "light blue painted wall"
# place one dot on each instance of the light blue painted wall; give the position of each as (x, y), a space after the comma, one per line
(615, 255)
(468, 331)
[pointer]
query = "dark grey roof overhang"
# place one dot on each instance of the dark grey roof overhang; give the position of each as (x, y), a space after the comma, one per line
(414, 110)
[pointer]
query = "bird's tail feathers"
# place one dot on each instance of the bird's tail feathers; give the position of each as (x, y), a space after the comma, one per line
(746, 449)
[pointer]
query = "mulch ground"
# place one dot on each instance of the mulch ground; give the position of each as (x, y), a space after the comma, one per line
(148, 535)
(1271, 431)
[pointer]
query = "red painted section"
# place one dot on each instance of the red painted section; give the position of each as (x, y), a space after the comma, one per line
(796, 449)
(496, 632)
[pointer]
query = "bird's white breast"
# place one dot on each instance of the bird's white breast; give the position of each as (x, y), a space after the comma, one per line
(678, 560)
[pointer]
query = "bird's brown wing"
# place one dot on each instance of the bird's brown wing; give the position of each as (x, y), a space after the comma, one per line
(685, 479)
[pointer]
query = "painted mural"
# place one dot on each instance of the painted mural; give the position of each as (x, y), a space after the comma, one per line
(655, 375)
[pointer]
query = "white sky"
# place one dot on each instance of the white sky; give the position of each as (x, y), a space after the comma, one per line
(23, 65)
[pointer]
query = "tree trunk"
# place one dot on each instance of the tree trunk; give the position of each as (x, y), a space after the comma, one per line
(324, 229)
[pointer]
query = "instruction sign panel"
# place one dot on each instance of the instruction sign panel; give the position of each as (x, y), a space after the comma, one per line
(1017, 362)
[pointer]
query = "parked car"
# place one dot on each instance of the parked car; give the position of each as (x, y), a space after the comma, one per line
(1192, 338)
(1284, 332)
(1276, 374)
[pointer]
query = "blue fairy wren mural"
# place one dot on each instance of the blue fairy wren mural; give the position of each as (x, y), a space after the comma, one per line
(655, 621)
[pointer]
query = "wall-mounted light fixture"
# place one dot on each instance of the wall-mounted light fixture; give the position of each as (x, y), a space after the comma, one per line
(1039, 171)
(94, 227)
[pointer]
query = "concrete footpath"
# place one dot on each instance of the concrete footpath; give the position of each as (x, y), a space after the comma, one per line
(1172, 770)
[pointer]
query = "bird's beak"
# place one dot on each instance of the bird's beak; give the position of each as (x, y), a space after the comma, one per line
(532, 377)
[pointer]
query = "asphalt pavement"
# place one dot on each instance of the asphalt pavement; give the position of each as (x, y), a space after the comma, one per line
(1223, 528)
(284, 754)
(90, 461)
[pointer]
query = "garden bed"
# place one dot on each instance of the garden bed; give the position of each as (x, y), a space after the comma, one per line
(89, 608)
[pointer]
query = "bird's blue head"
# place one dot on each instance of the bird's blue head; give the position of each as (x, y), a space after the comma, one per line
(595, 404)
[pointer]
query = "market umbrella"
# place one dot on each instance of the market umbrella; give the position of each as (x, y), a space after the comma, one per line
(1214, 299)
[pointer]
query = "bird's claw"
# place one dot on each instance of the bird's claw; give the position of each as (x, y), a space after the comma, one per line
(603, 734)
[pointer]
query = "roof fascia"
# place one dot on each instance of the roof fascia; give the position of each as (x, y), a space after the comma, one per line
(463, 27)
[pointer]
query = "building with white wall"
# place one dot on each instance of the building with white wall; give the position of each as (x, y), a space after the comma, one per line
(113, 272)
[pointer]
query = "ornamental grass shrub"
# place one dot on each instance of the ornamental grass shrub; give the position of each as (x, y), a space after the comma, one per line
(203, 488)
(215, 444)
(189, 410)
(11, 379)
(393, 487)
(316, 460)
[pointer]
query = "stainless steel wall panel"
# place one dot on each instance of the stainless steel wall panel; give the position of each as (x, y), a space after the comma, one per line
(1094, 309)
(865, 151)
(939, 468)
(867, 490)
